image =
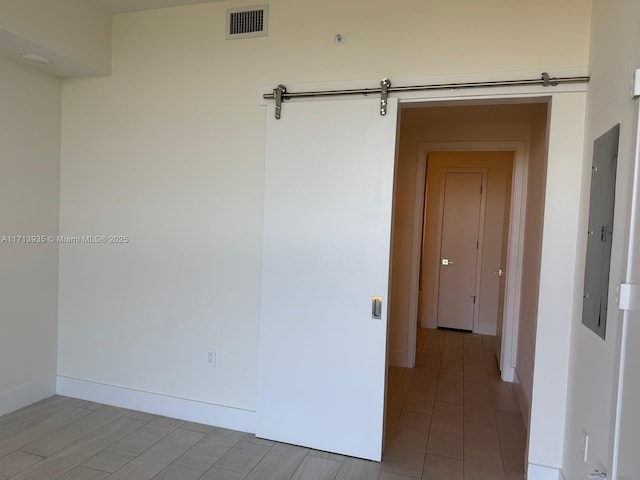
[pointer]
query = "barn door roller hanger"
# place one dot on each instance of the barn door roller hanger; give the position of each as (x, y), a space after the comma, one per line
(280, 93)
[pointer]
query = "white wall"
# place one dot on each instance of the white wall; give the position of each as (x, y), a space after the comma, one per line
(558, 288)
(29, 187)
(73, 34)
(615, 53)
(169, 150)
(531, 255)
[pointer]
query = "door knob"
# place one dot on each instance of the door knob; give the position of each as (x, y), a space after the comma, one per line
(446, 261)
(500, 272)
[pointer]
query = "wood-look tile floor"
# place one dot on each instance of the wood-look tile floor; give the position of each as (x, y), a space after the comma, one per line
(449, 418)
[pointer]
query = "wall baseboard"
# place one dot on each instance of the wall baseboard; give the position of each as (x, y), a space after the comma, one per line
(540, 472)
(183, 409)
(399, 358)
(23, 396)
(522, 399)
(508, 374)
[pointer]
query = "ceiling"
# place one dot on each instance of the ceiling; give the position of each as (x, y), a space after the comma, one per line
(117, 6)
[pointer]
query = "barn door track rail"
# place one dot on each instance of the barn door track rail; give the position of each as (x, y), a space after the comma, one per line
(280, 93)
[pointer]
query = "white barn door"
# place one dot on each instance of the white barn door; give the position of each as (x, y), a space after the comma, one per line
(327, 225)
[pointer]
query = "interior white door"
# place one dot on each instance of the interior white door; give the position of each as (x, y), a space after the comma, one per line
(459, 249)
(327, 229)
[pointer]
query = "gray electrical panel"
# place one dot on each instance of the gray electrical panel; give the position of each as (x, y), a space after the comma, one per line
(600, 230)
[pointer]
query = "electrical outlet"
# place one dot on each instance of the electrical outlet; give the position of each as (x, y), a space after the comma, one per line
(585, 445)
(211, 356)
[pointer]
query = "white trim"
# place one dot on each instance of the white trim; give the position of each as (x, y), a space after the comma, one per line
(184, 409)
(400, 358)
(523, 404)
(629, 296)
(514, 249)
(540, 472)
(26, 395)
(628, 302)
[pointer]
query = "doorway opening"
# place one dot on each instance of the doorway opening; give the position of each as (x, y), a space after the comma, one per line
(463, 177)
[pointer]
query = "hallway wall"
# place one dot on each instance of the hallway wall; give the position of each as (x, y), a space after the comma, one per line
(615, 54)
(29, 189)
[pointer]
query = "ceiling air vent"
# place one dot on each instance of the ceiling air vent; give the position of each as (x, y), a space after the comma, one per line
(247, 22)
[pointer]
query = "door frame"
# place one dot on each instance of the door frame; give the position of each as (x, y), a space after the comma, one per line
(438, 249)
(514, 249)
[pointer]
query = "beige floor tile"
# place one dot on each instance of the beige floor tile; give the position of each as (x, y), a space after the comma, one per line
(410, 466)
(32, 414)
(420, 338)
(504, 396)
(482, 453)
(452, 358)
(448, 413)
(240, 460)
(454, 339)
(408, 443)
(281, 462)
(433, 342)
(424, 383)
(474, 390)
(394, 476)
(473, 431)
(478, 412)
(159, 456)
(475, 374)
(473, 339)
(491, 362)
(446, 440)
(419, 402)
(217, 473)
(470, 474)
(33, 431)
(395, 402)
(315, 468)
(429, 359)
(513, 438)
(420, 372)
(329, 455)
(251, 438)
(85, 473)
(179, 472)
(481, 436)
(167, 422)
(449, 386)
(197, 427)
(204, 453)
(145, 417)
(47, 445)
(515, 476)
(16, 462)
(356, 469)
(78, 452)
(414, 421)
(398, 380)
(442, 468)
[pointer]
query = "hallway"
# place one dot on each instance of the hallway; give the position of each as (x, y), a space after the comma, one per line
(451, 417)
